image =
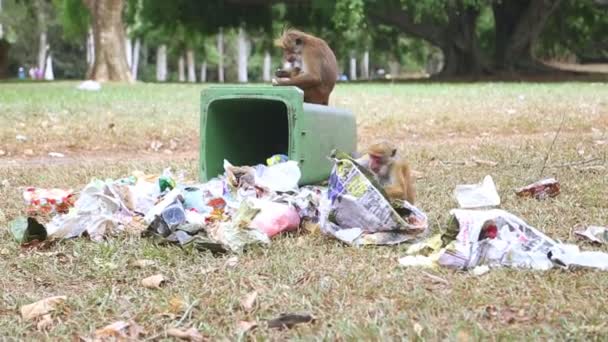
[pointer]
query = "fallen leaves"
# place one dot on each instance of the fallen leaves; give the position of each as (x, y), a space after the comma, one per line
(142, 263)
(121, 330)
(483, 162)
(232, 262)
(289, 320)
(506, 315)
(45, 323)
(246, 326)
(154, 282)
(189, 335)
(248, 301)
(41, 307)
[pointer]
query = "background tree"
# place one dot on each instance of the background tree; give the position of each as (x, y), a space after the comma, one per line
(109, 36)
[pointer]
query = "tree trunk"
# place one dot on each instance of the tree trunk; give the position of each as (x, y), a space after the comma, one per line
(42, 48)
(90, 49)
(41, 18)
(459, 45)
(1, 28)
(394, 69)
(135, 58)
(191, 66)
(353, 69)
(518, 25)
(365, 66)
(129, 51)
(204, 72)
(220, 52)
(242, 56)
(145, 52)
(181, 69)
(4, 47)
(456, 39)
(110, 57)
(161, 63)
(48, 69)
(266, 74)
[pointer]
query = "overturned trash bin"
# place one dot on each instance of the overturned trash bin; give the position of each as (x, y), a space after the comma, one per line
(247, 124)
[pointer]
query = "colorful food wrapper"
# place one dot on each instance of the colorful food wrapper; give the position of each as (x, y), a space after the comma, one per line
(48, 201)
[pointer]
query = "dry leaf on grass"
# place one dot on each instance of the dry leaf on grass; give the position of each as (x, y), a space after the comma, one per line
(232, 262)
(41, 307)
(115, 329)
(484, 162)
(289, 320)
(45, 323)
(246, 326)
(177, 305)
(120, 329)
(142, 263)
(189, 335)
(249, 301)
(154, 282)
(418, 174)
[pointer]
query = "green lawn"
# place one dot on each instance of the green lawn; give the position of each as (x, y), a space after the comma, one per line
(355, 294)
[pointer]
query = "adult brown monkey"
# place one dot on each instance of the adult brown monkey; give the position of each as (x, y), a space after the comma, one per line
(309, 64)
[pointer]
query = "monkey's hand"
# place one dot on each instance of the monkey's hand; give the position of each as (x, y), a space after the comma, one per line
(282, 73)
(279, 81)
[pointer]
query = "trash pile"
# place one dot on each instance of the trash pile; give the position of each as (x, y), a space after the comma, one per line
(483, 239)
(246, 206)
(249, 205)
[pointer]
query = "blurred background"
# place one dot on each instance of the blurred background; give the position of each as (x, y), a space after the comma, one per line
(232, 40)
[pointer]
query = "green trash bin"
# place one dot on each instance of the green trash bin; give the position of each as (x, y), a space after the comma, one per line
(247, 124)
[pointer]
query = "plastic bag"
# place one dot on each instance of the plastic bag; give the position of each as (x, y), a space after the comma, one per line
(477, 195)
(275, 218)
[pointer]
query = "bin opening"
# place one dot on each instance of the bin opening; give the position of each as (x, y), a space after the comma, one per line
(245, 132)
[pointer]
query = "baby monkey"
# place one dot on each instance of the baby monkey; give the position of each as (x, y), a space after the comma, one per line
(392, 173)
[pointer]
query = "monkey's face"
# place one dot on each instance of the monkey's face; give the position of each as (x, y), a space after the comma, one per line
(376, 162)
(292, 48)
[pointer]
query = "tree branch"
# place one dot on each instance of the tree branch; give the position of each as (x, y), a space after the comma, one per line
(398, 17)
(90, 4)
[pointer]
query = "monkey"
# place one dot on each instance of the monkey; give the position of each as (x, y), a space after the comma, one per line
(290, 69)
(393, 174)
(311, 66)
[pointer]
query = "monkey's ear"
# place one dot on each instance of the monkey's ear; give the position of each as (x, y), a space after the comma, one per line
(393, 152)
(298, 41)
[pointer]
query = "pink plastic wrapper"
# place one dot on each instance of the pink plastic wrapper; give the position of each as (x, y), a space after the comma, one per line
(48, 201)
(275, 218)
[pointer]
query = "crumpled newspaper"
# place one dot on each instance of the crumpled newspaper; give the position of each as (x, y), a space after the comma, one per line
(357, 211)
(497, 238)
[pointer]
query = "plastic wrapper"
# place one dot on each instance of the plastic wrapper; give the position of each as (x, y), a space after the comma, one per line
(48, 201)
(275, 218)
(234, 235)
(595, 234)
(514, 243)
(357, 212)
(281, 177)
(102, 209)
(497, 238)
(540, 190)
(477, 195)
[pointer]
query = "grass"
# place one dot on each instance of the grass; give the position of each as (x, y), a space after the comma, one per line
(355, 294)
